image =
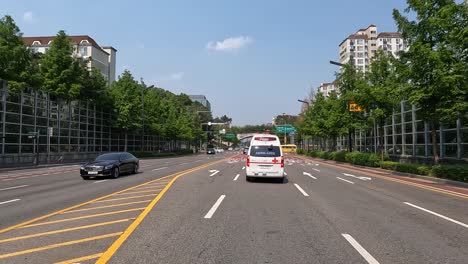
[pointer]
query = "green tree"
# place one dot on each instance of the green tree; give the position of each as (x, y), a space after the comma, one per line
(93, 85)
(435, 66)
(15, 57)
(60, 72)
(383, 94)
(126, 95)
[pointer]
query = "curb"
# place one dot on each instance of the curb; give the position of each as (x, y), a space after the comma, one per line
(398, 173)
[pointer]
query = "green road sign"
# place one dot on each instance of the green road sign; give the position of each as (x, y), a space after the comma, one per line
(229, 136)
(285, 129)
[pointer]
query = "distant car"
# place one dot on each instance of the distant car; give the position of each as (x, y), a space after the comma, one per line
(110, 164)
(210, 151)
(230, 149)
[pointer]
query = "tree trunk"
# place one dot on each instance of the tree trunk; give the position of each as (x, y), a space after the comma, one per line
(125, 147)
(435, 151)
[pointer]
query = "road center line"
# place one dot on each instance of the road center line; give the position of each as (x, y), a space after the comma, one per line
(10, 201)
(368, 257)
(345, 180)
(237, 176)
(215, 207)
(162, 168)
(436, 214)
(301, 190)
(15, 187)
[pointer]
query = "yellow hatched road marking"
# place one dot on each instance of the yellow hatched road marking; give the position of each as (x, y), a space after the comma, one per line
(124, 198)
(105, 206)
(83, 217)
(32, 250)
(117, 243)
(145, 191)
(65, 230)
(76, 260)
(149, 187)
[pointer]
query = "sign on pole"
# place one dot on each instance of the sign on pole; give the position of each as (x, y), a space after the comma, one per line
(285, 129)
(50, 131)
(353, 107)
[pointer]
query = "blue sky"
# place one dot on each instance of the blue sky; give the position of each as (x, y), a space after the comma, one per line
(252, 58)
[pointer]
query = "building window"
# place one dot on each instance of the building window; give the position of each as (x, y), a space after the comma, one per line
(373, 45)
(36, 42)
(360, 41)
(361, 68)
(360, 48)
(360, 61)
(360, 55)
(83, 51)
(84, 41)
(373, 32)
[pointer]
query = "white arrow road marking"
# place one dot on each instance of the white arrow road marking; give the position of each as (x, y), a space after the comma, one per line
(214, 172)
(310, 175)
(315, 169)
(357, 177)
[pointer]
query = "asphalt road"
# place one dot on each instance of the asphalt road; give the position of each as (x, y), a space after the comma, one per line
(200, 209)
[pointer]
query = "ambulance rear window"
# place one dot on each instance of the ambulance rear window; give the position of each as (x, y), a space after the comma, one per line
(265, 151)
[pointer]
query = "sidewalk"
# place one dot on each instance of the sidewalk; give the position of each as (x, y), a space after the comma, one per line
(29, 167)
(431, 182)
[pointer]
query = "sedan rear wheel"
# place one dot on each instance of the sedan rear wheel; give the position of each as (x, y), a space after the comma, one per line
(135, 168)
(115, 173)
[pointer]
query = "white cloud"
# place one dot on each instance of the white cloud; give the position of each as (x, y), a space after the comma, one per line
(28, 16)
(229, 44)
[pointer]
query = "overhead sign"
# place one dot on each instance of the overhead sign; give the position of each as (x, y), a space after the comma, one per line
(229, 136)
(353, 107)
(285, 129)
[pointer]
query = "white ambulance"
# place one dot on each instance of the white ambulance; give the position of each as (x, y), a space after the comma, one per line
(265, 158)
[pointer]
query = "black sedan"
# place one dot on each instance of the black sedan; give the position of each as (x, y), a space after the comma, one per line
(110, 164)
(210, 151)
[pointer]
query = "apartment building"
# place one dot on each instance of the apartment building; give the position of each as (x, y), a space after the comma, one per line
(85, 47)
(391, 43)
(327, 88)
(359, 48)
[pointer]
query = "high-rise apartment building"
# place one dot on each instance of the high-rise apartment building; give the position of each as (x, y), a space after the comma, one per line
(327, 88)
(202, 100)
(360, 47)
(101, 58)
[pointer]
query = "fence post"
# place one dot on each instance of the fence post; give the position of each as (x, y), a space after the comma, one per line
(4, 99)
(403, 127)
(459, 139)
(413, 123)
(426, 139)
(20, 144)
(441, 141)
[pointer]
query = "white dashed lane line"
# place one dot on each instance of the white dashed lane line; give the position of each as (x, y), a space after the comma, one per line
(215, 207)
(436, 214)
(10, 201)
(14, 187)
(237, 176)
(301, 190)
(368, 257)
(345, 180)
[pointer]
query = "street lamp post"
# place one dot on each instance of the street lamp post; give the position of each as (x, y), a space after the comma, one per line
(304, 102)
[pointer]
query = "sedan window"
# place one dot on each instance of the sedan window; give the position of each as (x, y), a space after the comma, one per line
(109, 156)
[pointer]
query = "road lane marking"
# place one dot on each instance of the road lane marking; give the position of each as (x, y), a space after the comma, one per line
(316, 170)
(214, 172)
(83, 217)
(65, 230)
(215, 207)
(310, 175)
(118, 243)
(301, 190)
(72, 242)
(124, 198)
(285, 174)
(105, 206)
(243, 168)
(436, 214)
(76, 260)
(162, 168)
(237, 176)
(100, 181)
(357, 177)
(15, 187)
(10, 201)
(344, 180)
(368, 257)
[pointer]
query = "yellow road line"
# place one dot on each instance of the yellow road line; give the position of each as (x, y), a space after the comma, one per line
(125, 198)
(117, 243)
(32, 250)
(390, 178)
(149, 187)
(76, 260)
(83, 217)
(144, 191)
(105, 206)
(78, 205)
(65, 230)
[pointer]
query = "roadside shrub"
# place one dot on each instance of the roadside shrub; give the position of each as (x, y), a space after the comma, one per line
(314, 153)
(338, 155)
(300, 151)
(424, 170)
(388, 165)
(324, 155)
(452, 172)
(411, 168)
(373, 160)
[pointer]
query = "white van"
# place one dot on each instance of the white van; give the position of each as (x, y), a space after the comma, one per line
(265, 158)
